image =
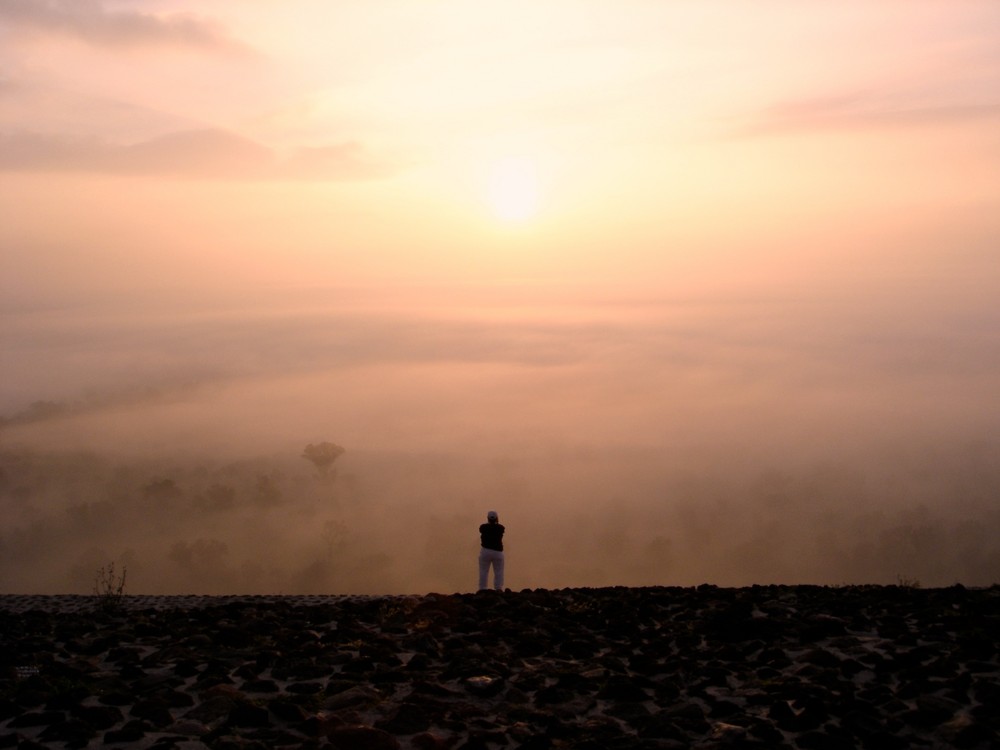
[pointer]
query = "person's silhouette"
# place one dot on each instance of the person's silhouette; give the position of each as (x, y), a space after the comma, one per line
(491, 537)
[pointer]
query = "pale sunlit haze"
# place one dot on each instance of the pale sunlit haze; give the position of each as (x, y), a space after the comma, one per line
(688, 291)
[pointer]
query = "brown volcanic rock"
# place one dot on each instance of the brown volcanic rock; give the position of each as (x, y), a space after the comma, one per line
(764, 666)
(362, 738)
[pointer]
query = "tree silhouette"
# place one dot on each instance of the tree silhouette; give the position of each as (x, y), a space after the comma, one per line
(322, 456)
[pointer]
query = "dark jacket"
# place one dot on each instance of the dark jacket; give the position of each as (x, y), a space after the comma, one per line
(492, 536)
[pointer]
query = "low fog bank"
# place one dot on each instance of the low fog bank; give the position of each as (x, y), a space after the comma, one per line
(832, 433)
(406, 522)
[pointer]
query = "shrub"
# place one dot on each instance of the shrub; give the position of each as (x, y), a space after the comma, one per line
(109, 588)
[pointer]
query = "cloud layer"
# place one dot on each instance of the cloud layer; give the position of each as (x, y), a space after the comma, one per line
(750, 336)
(863, 112)
(89, 21)
(193, 154)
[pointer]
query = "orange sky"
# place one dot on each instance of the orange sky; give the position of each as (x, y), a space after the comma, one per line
(626, 263)
(571, 166)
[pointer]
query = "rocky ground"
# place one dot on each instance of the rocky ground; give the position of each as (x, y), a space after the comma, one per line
(767, 666)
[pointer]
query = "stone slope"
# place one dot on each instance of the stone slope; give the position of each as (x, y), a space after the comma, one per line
(765, 666)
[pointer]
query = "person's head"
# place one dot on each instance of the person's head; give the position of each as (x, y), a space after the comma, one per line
(492, 516)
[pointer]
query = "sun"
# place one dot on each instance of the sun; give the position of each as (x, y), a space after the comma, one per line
(514, 189)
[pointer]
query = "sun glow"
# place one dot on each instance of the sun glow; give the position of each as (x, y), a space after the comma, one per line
(514, 189)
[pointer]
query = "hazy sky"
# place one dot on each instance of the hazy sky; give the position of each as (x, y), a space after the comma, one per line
(768, 230)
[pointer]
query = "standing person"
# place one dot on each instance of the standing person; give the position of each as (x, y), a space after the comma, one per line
(491, 535)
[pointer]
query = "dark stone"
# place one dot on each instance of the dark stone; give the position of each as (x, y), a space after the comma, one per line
(851, 667)
(358, 666)
(474, 743)
(862, 723)
(418, 663)
(357, 737)
(931, 711)
(484, 685)
(818, 627)
(132, 731)
(238, 743)
(553, 695)
(155, 683)
(773, 657)
(37, 719)
(944, 707)
(813, 716)
(154, 711)
(810, 717)
(645, 665)
(529, 646)
(578, 684)
(766, 732)
(630, 713)
(818, 741)
(246, 714)
(174, 698)
(885, 740)
(394, 676)
(687, 710)
(658, 726)
(690, 721)
(974, 736)
(207, 681)
(933, 684)
(187, 668)
(987, 693)
(31, 693)
(277, 737)
(355, 697)
(98, 717)
(526, 715)
(334, 686)
(287, 710)
(123, 655)
(819, 657)
(577, 649)
(619, 688)
(781, 712)
(248, 671)
(116, 698)
(894, 707)
(723, 709)
(979, 667)
(211, 710)
(303, 688)
(714, 676)
(602, 728)
(408, 719)
(537, 742)
(67, 698)
(315, 726)
(8, 709)
(232, 637)
(913, 685)
(73, 732)
(428, 741)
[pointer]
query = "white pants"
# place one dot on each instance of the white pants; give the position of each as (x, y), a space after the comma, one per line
(489, 557)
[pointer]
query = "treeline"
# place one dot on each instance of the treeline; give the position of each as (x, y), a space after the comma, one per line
(251, 525)
(321, 520)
